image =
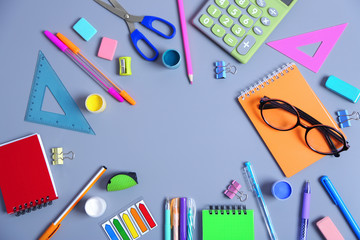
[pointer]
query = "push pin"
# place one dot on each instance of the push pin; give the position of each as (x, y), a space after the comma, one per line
(344, 118)
(233, 190)
(58, 156)
(222, 68)
(125, 66)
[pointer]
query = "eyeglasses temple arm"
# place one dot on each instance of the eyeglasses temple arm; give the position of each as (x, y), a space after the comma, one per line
(313, 121)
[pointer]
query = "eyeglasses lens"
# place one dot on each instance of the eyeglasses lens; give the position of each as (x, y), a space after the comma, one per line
(279, 115)
(323, 138)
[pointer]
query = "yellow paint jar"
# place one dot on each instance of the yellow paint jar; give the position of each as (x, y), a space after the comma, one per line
(95, 103)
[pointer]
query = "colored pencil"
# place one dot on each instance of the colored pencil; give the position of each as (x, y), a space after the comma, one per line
(185, 40)
(55, 225)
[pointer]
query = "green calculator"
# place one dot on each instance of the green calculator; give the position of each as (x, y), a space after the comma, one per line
(241, 26)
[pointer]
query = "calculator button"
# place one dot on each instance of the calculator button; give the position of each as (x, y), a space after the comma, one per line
(234, 11)
(265, 21)
(206, 21)
(254, 11)
(226, 21)
(261, 3)
(230, 40)
(246, 21)
(273, 12)
(237, 30)
(242, 3)
(218, 30)
(246, 45)
(222, 3)
(214, 11)
(257, 30)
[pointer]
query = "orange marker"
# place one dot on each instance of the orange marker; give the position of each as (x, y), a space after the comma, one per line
(55, 225)
(77, 52)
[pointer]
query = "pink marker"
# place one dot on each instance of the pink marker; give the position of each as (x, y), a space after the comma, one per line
(73, 53)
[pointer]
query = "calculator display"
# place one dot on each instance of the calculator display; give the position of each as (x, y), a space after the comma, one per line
(240, 27)
(287, 2)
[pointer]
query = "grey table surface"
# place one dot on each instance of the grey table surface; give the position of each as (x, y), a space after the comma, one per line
(181, 139)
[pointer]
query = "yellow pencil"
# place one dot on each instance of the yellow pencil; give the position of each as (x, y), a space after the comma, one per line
(55, 225)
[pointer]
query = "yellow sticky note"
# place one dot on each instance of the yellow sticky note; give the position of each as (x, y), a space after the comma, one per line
(129, 225)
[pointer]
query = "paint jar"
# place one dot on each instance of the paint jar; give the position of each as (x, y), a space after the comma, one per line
(95, 103)
(95, 206)
(281, 189)
(171, 59)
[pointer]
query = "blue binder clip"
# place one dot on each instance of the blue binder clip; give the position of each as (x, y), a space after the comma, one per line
(222, 68)
(344, 118)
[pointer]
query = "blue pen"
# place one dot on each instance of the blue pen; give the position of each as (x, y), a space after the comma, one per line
(191, 216)
(256, 189)
(339, 202)
(167, 220)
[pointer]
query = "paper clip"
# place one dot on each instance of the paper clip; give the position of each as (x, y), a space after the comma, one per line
(233, 190)
(125, 66)
(58, 156)
(222, 68)
(344, 118)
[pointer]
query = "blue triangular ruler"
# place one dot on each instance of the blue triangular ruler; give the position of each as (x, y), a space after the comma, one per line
(45, 77)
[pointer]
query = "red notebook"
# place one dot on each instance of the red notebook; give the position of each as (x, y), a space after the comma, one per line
(26, 182)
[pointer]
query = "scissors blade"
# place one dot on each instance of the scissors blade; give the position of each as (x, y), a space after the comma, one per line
(119, 12)
(116, 4)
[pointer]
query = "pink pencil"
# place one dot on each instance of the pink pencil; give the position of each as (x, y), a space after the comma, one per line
(185, 40)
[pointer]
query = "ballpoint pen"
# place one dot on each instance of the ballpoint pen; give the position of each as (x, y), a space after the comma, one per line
(74, 54)
(174, 205)
(256, 189)
(191, 216)
(305, 211)
(51, 230)
(167, 220)
(339, 202)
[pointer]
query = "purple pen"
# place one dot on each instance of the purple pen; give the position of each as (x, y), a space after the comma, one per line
(305, 212)
(183, 218)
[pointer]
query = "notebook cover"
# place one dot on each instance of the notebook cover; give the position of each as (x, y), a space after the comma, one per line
(287, 147)
(25, 173)
(228, 226)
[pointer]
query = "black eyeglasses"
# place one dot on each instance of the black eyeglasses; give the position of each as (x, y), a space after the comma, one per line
(283, 116)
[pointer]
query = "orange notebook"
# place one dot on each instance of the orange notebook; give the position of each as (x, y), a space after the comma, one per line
(287, 147)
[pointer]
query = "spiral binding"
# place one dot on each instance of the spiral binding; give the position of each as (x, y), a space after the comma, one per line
(222, 209)
(32, 206)
(266, 80)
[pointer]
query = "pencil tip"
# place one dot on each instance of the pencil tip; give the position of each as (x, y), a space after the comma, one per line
(191, 77)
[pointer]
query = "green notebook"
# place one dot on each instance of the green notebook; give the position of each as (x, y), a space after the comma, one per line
(228, 222)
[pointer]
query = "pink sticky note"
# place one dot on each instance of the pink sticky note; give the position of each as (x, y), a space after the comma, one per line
(328, 229)
(290, 46)
(107, 48)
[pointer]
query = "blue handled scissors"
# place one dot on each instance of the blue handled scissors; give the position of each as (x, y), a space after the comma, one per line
(135, 34)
